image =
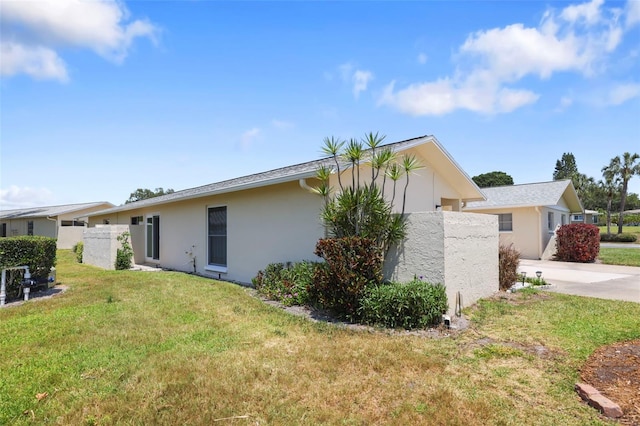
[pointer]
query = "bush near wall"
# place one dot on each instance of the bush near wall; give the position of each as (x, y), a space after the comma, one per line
(78, 249)
(508, 261)
(286, 283)
(618, 238)
(577, 242)
(416, 304)
(351, 265)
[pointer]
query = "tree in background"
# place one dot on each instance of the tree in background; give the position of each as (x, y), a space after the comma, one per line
(488, 180)
(586, 187)
(143, 194)
(566, 167)
(623, 168)
(609, 187)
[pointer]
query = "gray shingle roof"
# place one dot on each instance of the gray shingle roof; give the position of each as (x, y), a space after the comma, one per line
(525, 195)
(47, 211)
(271, 177)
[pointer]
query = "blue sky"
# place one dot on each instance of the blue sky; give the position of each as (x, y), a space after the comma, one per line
(101, 98)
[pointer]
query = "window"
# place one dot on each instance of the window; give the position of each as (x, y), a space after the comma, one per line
(217, 235)
(563, 219)
(505, 222)
(137, 220)
(153, 237)
(4, 230)
(550, 221)
(577, 218)
(30, 227)
(72, 223)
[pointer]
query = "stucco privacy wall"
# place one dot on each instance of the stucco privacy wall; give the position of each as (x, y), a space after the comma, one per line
(459, 250)
(101, 245)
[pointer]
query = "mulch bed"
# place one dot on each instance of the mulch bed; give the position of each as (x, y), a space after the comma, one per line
(615, 371)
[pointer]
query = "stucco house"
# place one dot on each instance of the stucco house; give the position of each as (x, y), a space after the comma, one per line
(65, 222)
(528, 214)
(588, 216)
(232, 229)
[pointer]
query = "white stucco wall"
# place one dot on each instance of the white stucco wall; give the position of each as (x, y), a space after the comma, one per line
(101, 245)
(459, 250)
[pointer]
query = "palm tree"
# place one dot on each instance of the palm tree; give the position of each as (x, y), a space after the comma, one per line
(624, 169)
(332, 147)
(609, 186)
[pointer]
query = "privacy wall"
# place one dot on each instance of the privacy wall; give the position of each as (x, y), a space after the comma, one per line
(459, 250)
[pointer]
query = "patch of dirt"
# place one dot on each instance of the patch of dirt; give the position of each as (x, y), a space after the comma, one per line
(615, 371)
(39, 295)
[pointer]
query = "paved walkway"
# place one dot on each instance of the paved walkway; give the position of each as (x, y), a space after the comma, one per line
(587, 279)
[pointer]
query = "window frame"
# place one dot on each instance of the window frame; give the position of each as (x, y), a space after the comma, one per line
(502, 222)
(217, 267)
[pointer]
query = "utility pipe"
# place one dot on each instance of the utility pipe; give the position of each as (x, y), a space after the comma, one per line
(3, 285)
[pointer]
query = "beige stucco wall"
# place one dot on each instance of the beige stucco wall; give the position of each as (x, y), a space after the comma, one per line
(459, 250)
(101, 245)
(531, 234)
(277, 223)
(41, 226)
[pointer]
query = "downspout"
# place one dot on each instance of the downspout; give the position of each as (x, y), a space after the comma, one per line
(539, 232)
(303, 184)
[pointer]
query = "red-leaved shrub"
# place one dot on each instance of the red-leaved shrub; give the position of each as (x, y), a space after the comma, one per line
(577, 242)
(351, 264)
(508, 261)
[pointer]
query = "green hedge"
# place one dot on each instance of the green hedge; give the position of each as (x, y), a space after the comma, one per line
(618, 238)
(416, 304)
(38, 253)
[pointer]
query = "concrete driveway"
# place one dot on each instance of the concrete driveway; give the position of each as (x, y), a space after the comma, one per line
(587, 279)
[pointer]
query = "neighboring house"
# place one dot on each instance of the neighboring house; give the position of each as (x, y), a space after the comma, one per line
(234, 228)
(529, 214)
(66, 223)
(589, 216)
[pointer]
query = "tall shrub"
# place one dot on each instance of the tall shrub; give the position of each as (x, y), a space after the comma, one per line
(359, 206)
(351, 265)
(508, 261)
(577, 242)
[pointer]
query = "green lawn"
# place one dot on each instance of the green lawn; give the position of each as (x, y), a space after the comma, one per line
(620, 256)
(123, 347)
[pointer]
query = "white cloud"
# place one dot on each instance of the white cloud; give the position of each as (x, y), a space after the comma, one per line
(577, 39)
(422, 58)
(16, 197)
(40, 32)
(632, 12)
(622, 93)
(38, 62)
(361, 80)
(565, 102)
(248, 138)
(358, 78)
(587, 12)
(282, 124)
